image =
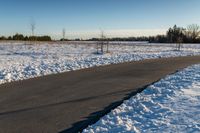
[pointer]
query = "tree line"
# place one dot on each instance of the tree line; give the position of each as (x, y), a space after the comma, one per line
(174, 34)
(21, 37)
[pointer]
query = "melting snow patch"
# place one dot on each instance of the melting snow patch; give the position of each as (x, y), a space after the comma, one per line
(170, 105)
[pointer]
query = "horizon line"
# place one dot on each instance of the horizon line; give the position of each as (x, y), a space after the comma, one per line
(88, 34)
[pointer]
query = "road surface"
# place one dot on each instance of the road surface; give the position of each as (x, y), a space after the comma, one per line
(68, 102)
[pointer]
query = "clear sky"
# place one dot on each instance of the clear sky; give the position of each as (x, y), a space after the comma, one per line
(84, 18)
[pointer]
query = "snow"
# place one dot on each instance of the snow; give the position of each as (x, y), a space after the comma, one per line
(19, 61)
(170, 105)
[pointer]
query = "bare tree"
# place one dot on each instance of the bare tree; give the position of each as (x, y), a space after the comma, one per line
(33, 27)
(102, 41)
(179, 44)
(63, 33)
(107, 45)
(193, 31)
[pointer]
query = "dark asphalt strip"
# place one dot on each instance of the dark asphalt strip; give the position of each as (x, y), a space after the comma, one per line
(69, 102)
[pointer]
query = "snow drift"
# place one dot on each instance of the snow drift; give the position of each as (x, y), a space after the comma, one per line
(170, 105)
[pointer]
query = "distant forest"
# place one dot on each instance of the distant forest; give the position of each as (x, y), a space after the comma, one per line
(21, 37)
(175, 34)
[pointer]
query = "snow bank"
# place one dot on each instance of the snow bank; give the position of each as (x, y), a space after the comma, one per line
(19, 61)
(170, 105)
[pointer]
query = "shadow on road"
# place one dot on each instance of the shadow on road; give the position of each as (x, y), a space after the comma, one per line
(94, 117)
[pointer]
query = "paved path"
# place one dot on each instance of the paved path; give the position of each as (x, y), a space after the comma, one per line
(70, 101)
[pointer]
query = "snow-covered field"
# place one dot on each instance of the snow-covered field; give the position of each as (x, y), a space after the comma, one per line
(19, 61)
(170, 105)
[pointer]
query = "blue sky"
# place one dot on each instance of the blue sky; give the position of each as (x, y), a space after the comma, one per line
(84, 18)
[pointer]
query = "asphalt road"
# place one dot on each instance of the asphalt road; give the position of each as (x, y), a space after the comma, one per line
(68, 102)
